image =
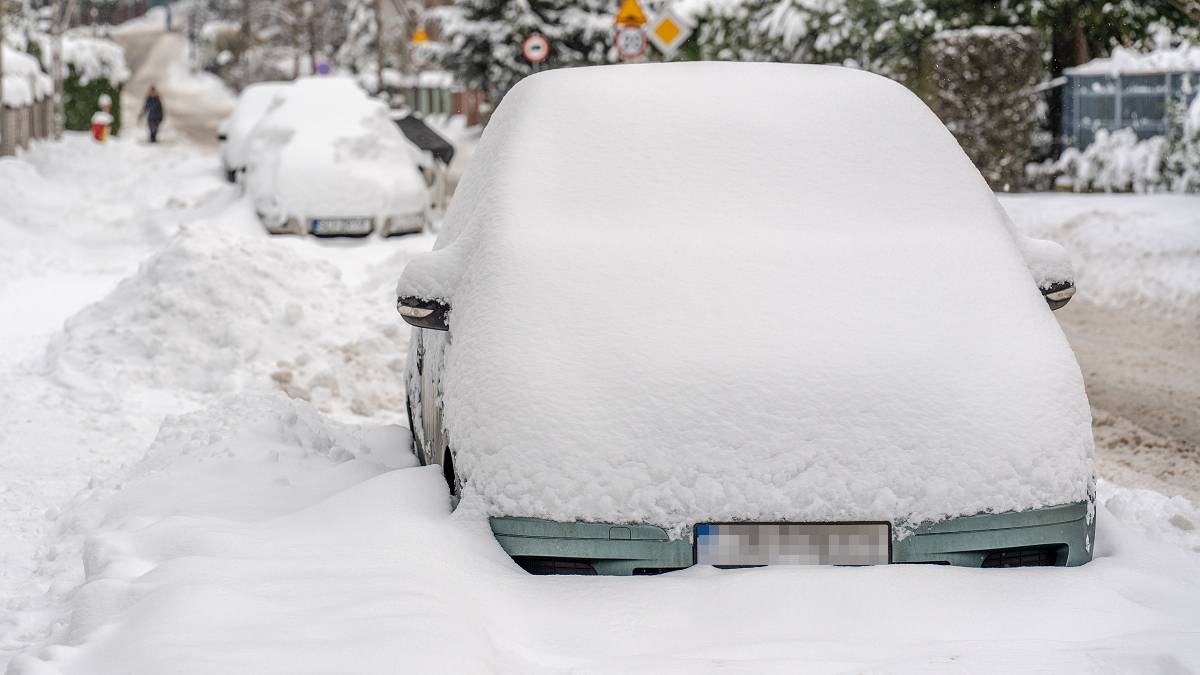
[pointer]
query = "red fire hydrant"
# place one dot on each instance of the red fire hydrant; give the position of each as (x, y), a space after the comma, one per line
(102, 120)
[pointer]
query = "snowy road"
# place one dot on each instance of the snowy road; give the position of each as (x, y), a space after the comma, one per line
(1134, 326)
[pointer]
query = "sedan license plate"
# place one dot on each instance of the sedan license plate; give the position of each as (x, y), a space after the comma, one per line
(751, 544)
(342, 226)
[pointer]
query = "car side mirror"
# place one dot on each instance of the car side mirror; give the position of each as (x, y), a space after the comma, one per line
(422, 313)
(1058, 293)
(221, 138)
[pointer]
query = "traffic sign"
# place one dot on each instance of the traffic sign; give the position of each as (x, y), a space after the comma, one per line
(630, 14)
(420, 37)
(631, 42)
(535, 48)
(668, 33)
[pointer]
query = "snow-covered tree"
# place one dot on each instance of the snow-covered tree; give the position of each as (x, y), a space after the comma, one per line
(1181, 160)
(484, 37)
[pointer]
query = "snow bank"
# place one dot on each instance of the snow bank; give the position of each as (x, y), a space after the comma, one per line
(1129, 251)
(1125, 61)
(216, 314)
(22, 81)
(723, 333)
(95, 59)
(258, 537)
(329, 150)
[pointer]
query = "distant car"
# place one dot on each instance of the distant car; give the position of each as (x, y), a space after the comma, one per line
(700, 330)
(328, 160)
(233, 133)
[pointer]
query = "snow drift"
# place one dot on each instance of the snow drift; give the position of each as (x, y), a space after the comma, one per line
(817, 316)
(215, 314)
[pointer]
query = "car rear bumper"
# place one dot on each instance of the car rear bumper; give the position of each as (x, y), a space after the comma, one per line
(1056, 535)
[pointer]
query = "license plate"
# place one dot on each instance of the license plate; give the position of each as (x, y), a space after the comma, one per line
(746, 544)
(342, 226)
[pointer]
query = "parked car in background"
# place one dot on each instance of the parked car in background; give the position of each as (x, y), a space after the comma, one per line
(328, 160)
(233, 133)
(695, 331)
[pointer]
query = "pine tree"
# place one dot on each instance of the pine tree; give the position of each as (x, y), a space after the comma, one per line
(485, 38)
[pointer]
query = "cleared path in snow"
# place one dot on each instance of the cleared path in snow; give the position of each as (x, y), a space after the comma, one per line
(195, 102)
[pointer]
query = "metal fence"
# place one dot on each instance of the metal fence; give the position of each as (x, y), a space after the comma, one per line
(1141, 102)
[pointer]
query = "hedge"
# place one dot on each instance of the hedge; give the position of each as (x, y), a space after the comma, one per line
(81, 101)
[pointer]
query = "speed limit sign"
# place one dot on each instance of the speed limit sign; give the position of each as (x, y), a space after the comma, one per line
(535, 48)
(631, 42)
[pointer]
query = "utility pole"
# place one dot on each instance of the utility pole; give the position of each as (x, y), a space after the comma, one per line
(3, 12)
(378, 9)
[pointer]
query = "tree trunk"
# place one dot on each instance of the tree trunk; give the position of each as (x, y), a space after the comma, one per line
(379, 57)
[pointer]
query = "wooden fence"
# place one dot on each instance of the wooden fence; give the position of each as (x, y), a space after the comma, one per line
(19, 126)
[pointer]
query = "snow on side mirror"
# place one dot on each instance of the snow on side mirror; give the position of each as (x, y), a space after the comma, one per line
(1058, 294)
(1050, 267)
(422, 313)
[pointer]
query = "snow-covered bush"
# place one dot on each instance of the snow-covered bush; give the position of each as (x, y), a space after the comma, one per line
(1181, 165)
(1115, 162)
(1118, 162)
(980, 82)
(92, 67)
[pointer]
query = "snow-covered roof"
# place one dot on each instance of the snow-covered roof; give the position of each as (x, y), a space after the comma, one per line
(95, 58)
(23, 81)
(1183, 58)
(671, 303)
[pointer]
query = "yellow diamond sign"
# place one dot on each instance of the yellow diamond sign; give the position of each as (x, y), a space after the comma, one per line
(668, 32)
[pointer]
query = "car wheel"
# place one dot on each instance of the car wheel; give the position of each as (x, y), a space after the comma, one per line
(412, 433)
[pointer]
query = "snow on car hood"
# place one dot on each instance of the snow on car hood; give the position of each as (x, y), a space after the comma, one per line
(328, 150)
(767, 292)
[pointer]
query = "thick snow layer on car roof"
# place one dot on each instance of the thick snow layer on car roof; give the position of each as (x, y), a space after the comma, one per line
(727, 291)
(327, 149)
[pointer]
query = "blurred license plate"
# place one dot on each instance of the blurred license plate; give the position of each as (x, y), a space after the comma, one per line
(737, 544)
(342, 226)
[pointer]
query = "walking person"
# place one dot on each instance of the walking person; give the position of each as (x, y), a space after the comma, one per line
(153, 111)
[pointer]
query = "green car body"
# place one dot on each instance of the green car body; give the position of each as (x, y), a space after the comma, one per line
(1057, 535)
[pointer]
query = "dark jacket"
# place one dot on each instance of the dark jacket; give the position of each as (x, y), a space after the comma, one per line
(153, 109)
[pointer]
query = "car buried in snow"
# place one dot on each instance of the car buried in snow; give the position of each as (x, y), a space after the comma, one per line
(327, 160)
(698, 330)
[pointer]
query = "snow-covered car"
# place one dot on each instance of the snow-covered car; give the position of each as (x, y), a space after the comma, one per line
(234, 131)
(327, 160)
(698, 330)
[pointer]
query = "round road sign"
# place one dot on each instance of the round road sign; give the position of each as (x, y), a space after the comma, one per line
(535, 48)
(631, 42)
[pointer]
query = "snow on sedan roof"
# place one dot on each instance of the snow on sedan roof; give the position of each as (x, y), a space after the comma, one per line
(695, 292)
(327, 149)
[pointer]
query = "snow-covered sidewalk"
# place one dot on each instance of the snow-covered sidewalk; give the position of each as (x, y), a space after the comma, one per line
(138, 285)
